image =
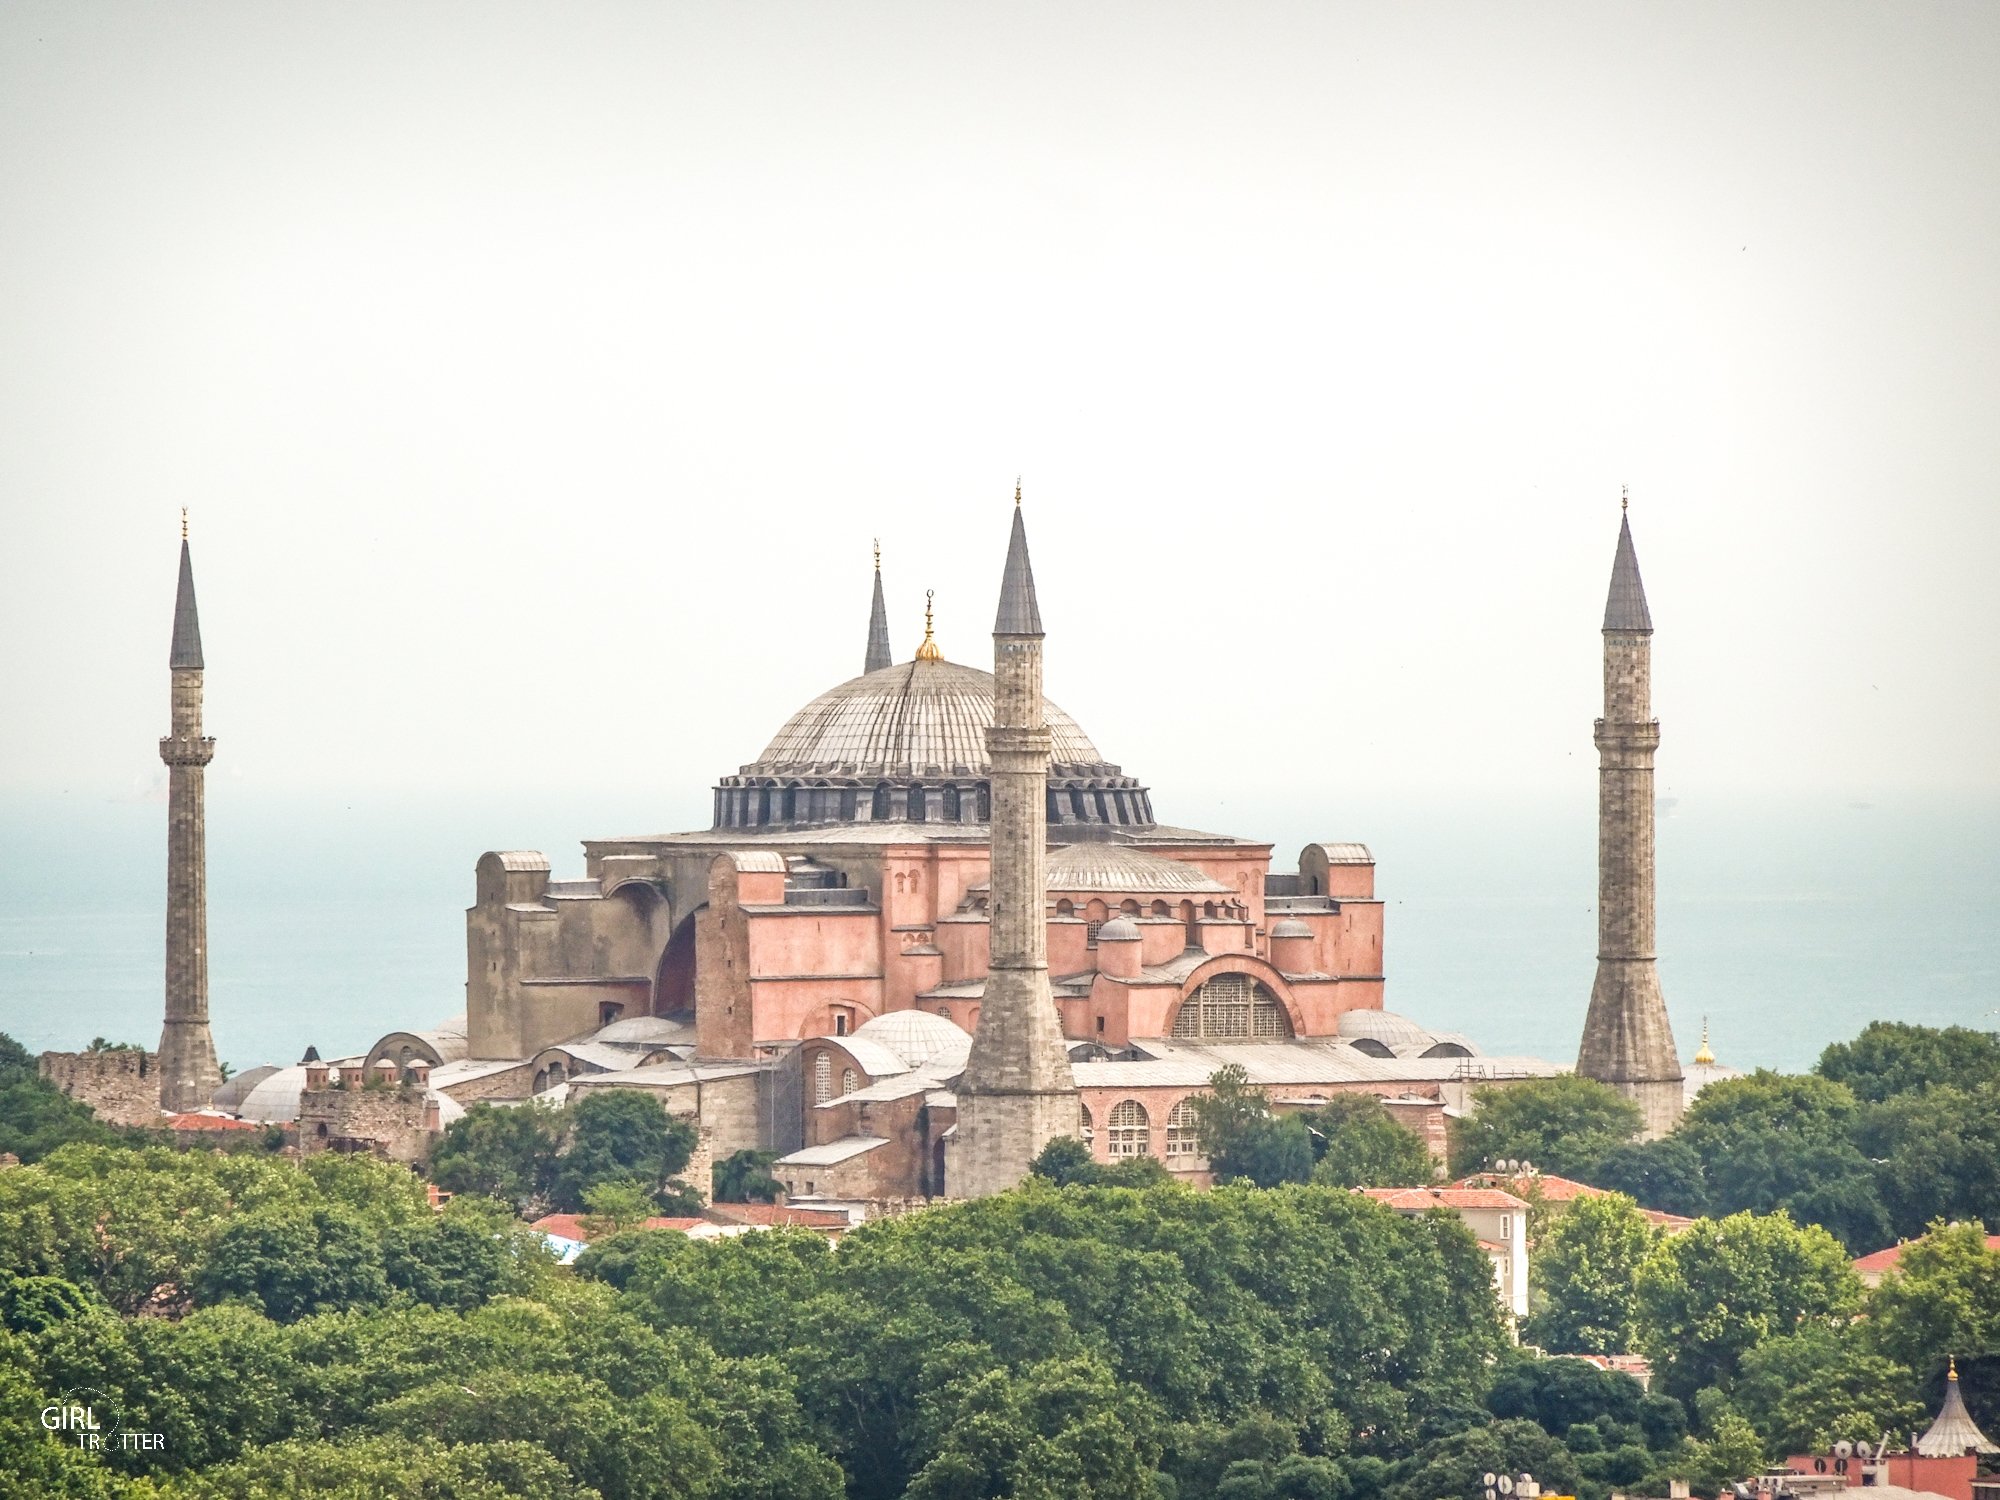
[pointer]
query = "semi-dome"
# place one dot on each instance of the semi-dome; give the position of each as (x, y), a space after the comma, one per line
(907, 743)
(919, 1038)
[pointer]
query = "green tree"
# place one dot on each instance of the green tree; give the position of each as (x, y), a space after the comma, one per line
(623, 1135)
(1708, 1296)
(1937, 1155)
(1777, 1141)
(614, 1206)
(1054, 1430)
(1563, 1125)
(463, 1257)
(1805, 1391)
(1895, 1057)
(1560, 1394)
(1943, 1298)
(1243, 1139)
(1068, 1160)
(1730, 1453)
(508, 1154)
(1663, 1174)
(369, 1465)
(1454, 1468)
(1356, 1142)
(745, 1177)
(1584, 1277)
(289, 1262)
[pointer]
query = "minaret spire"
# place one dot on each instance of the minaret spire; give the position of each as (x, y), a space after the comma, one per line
(188, 1071)
(1017, 1093)
(1627, 1039)
(878, 623)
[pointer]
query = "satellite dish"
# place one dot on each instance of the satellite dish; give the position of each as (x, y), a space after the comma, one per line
(1489, 1480)
(1861, 1450)
(1505, 1486)
(1843, 1449)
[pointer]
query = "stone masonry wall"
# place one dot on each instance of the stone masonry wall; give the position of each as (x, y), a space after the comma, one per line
(121, 1087)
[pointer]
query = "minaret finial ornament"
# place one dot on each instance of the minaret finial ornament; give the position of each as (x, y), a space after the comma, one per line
(878, 554)
(1704, 1058)
(928, 651)
(184, 523)
(1951, 1370)
(1624, 497)
(1017, 492)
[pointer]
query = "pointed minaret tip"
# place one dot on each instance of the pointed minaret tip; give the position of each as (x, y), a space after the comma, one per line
(878, 624)
(1625, 607)
(1019, 614)
(186, 653)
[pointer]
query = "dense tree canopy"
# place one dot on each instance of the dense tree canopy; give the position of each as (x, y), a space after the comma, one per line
(1356, 1142)
(545, 1160)
(1895, 1057)
(1585, 1273)
(1563, 1125)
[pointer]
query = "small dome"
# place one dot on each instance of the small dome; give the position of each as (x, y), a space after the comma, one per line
(275, 1100)
(919, 1038)
(1119, 930)
(1291, 927)
(237, 1089)
(1381, 1026)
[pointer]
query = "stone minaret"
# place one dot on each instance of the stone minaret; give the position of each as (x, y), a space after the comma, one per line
(878, 625)
(1627, 1041)
(188, 1074)
(1017, 1093)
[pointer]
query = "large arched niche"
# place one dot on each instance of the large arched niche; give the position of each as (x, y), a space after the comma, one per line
(1232, 1005)
(673, 981)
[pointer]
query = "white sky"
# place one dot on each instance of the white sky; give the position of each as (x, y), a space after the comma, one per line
(538, 374)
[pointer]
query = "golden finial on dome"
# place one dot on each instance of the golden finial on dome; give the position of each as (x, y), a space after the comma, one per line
(928, 651)
(1704, 1058)
(1951, 1371)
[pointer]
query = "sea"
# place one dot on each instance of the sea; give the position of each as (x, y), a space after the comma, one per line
(1784, 924)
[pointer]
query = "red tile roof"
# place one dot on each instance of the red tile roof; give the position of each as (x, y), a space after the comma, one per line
(570, 1226)
(1882, 1262)
(778, 1213)
(1550, 1189)
(1408, 1199)
(209, 1122)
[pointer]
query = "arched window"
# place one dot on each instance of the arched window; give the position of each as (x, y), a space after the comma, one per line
(1160, 909)
(822, 1078)
(1129, 907)
(1131, 1130)
(1085, 1125)
(879, 810)
(1065, 908)
(847, 1083)
(1181, 1131)
(1232, 1008)
(945, 1011)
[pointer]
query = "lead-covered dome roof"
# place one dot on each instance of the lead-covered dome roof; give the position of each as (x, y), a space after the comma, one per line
(917, 718)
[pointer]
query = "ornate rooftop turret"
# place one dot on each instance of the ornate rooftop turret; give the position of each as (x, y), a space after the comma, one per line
(878, 625)
(1954, 1433)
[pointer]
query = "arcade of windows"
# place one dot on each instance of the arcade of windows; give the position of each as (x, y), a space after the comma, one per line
(823, 1079)
(1232, 1008)
(1131, 1130)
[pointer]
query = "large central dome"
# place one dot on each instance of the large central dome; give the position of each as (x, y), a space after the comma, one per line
(918, 718)
(907, 743)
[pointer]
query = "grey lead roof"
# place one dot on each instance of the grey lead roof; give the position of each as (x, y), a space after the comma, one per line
(1018, 614)
(878, 632)
(1954, 1433)
(186, 656)
(1625, 608)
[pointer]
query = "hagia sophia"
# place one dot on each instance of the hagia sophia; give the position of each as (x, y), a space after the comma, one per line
(931, 928)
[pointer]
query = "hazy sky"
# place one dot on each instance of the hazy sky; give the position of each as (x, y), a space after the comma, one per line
(538, 375)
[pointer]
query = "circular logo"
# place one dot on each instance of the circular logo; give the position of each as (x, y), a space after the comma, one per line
(82, 1416)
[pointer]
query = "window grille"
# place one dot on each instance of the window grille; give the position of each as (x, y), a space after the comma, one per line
(1181, 1131)
(847, 1084)
(1084, 1121)
(1090, 933)
(822, 1078)
(1131, 1130)
(1232, 1007)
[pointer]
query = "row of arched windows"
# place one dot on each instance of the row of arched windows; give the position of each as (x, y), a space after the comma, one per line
(823, 1079)
(1130, 1129)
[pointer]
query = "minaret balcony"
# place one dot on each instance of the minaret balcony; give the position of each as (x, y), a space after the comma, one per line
(186, 750)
